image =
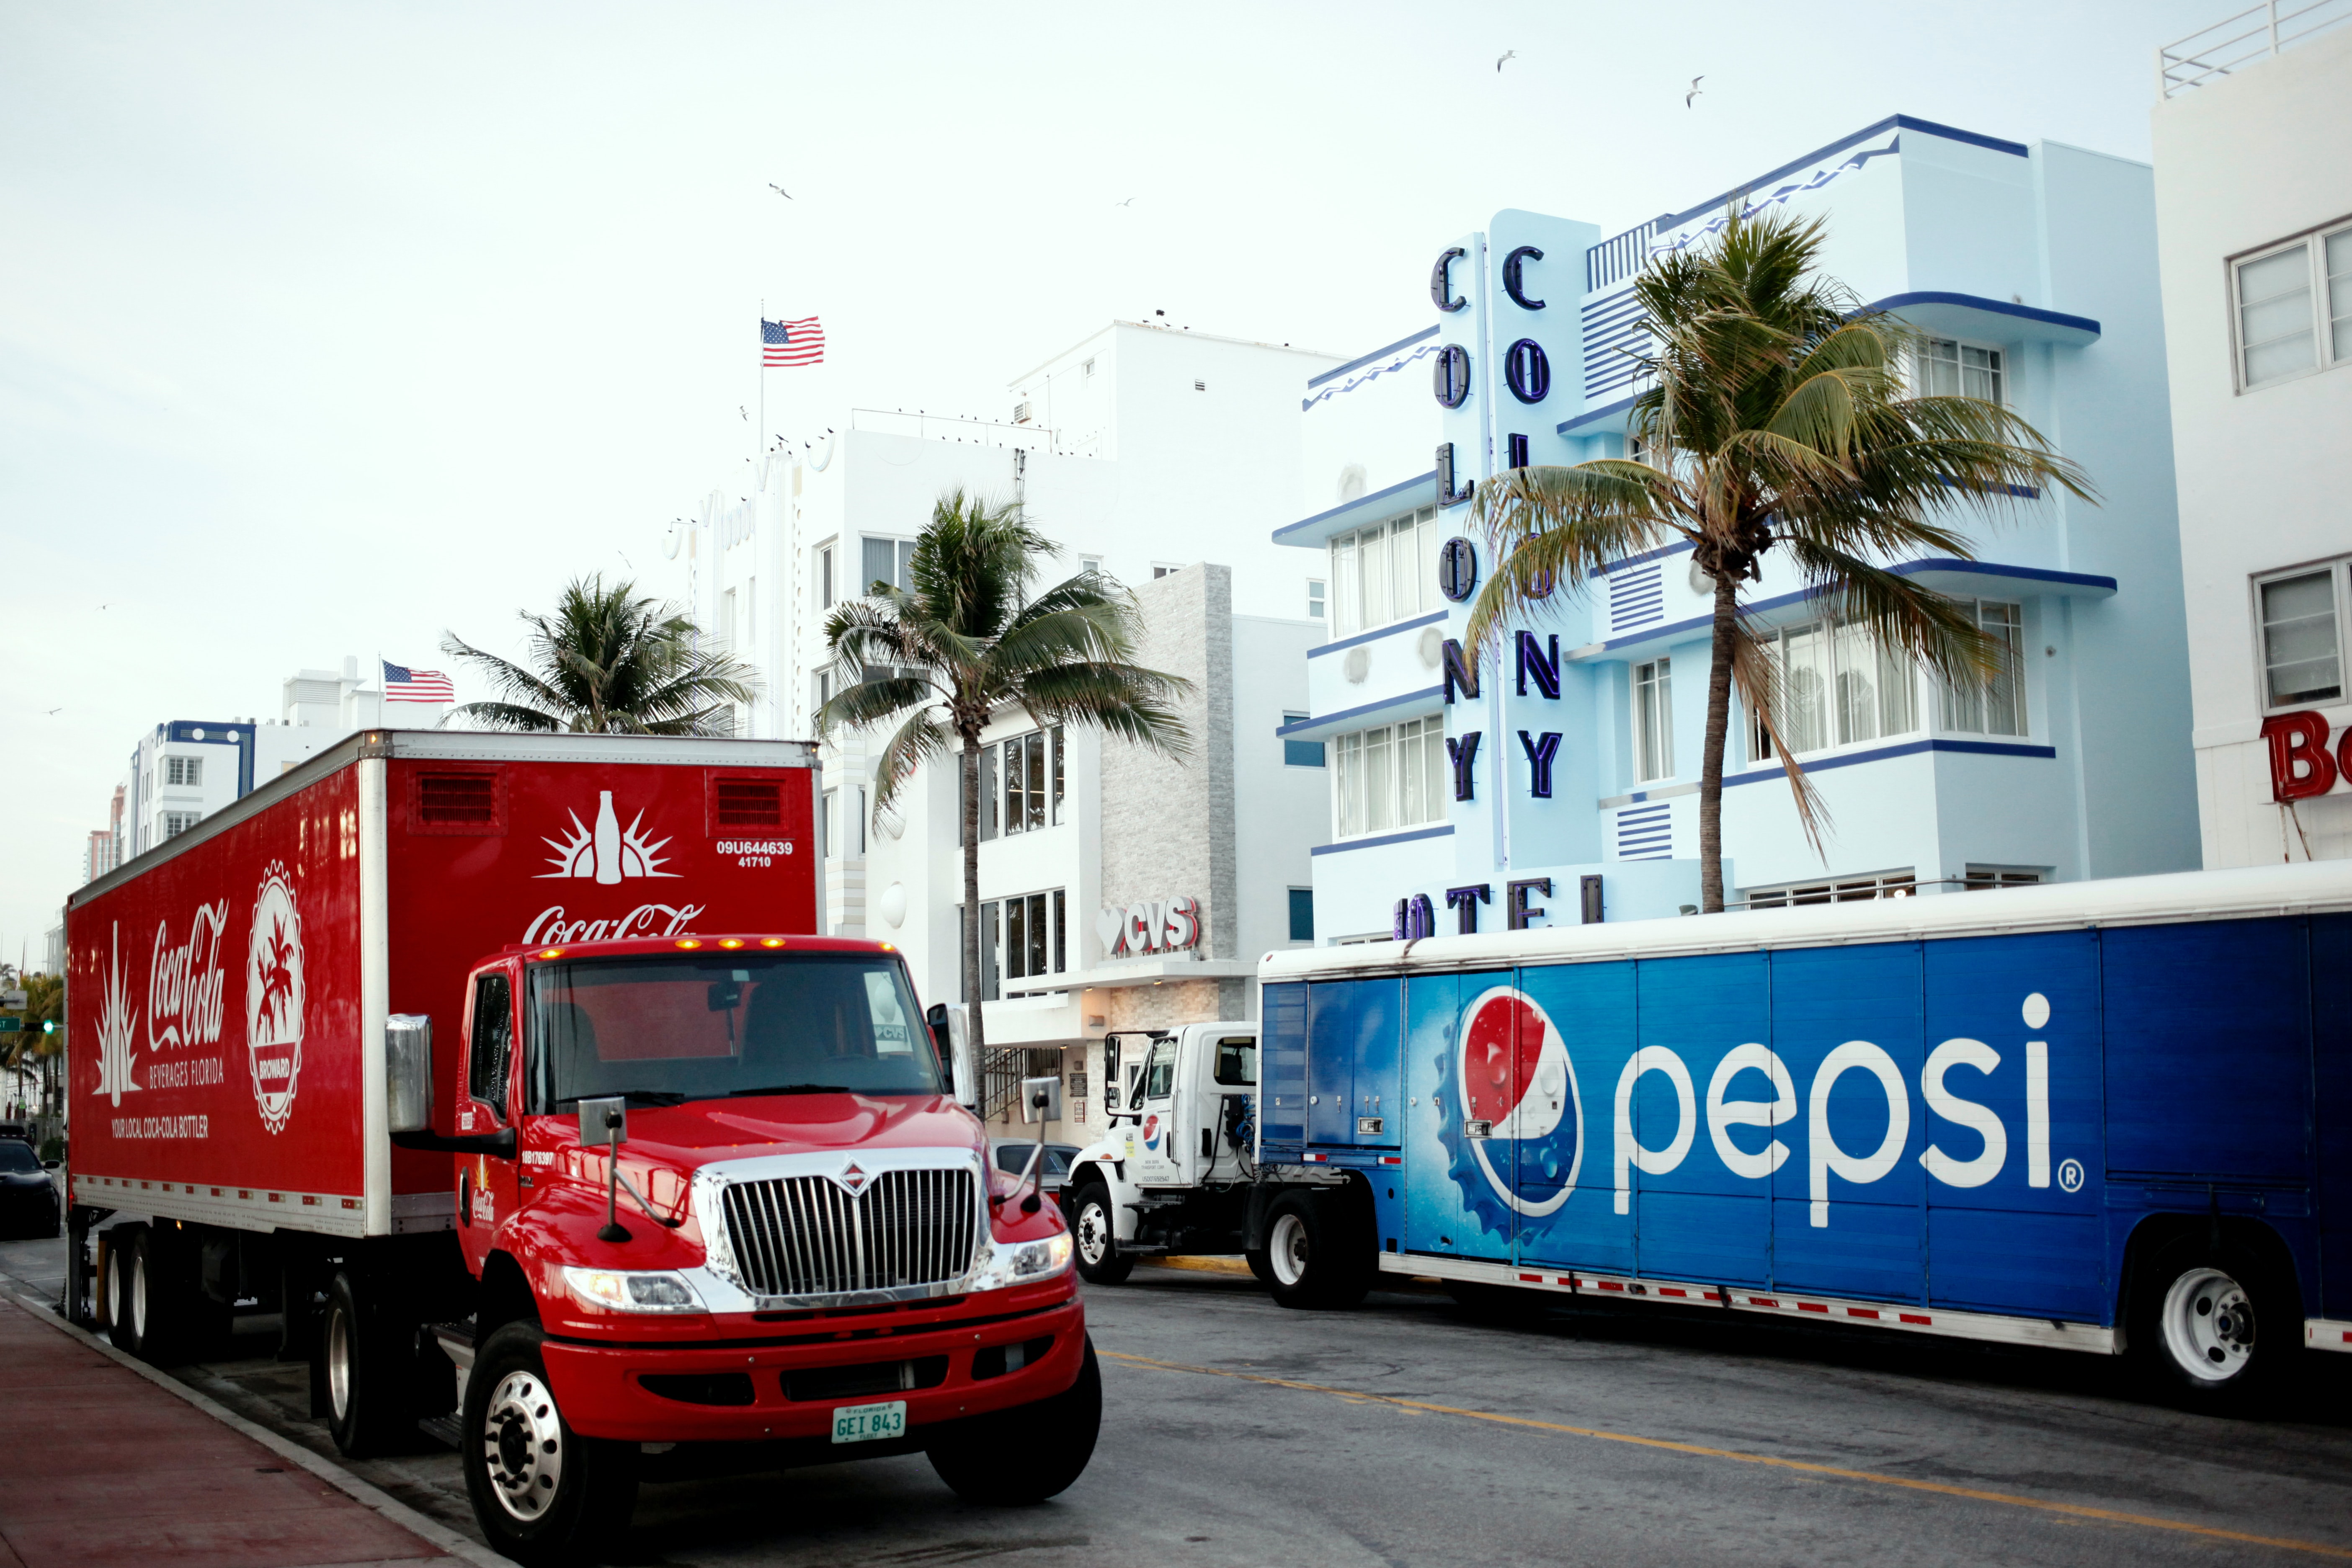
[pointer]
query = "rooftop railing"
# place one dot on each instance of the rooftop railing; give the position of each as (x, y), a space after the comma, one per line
(961, 428)
(2254, 34)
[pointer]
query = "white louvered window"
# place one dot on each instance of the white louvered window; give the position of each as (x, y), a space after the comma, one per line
(1384, 573)
(2292, 310)
(1391, 777)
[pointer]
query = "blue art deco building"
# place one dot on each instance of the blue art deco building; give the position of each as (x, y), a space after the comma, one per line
(1566, 782)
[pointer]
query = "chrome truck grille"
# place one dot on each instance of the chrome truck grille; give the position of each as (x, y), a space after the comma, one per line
(804, 1236)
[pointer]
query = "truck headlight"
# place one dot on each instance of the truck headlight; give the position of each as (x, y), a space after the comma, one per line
(1020, 1262)
(622, 1290)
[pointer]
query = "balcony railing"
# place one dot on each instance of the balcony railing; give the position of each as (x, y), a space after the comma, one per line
(971, 432)
(2254, 34)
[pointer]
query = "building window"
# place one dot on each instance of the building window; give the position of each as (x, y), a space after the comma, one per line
(1090, 563)
(1837, 686)
(1315, 598)
(1034, 927)
(825, 595)
(1654, 722)
(823, 687)
(1981, 878)
(1834, 891)
(1385, 572)
(178, 821)
(1949, 369)
(1994, 704)
(1302, 914)
(828, 827)
(1300, 753)
(1391, 777)
(727, 620)
(2277, 336)
(2302, 647)
(1032, 767)
(1086, 367)
(888, 560)
(183, 771)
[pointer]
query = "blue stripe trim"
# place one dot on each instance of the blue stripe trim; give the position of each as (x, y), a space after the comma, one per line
(1892, 121)
(1908, 748)
(1658, 554)
(1321, 517)
(1376, 353)
(1567, 426)
(1429, 619)
(1384, 838)
(1908, 568)
(1997, 307)
(1317, 721)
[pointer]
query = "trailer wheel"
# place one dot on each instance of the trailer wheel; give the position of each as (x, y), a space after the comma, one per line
(1047, 1445)
(1308, 1251)
(2213, 1324)
(1095, 1230)
(366, 1372)
(115, 1308)
(542, 1494)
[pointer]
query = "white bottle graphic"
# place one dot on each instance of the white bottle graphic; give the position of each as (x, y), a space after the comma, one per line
(608, 840)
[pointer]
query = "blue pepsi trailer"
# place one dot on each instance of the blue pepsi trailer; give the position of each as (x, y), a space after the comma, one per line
(2106, 1116)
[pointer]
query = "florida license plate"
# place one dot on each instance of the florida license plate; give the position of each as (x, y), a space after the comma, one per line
(867, 1423)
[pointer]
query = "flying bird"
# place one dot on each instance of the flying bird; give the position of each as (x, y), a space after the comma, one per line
(1128, 203)
(1694, 91)
(780, 190)
(745, 412)
(1508, 55)
(55, 711)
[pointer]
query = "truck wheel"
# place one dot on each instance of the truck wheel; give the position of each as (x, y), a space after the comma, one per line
(1095, 1229)
(1261, 1268)
(542, 1494)
(2213, 1324)
(1308, 1252)
(365, 1371)
(1027, 1454)
(118, 1312)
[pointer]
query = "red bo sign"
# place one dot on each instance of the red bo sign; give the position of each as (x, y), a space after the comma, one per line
(2300, 765)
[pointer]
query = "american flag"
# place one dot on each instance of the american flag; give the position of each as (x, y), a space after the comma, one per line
(791, 343)
(401, 684)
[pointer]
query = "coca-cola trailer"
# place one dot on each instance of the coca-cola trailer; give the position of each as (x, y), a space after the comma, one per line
(505, 1068)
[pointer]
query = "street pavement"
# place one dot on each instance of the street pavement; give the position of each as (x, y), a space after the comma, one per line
(1409, 1433)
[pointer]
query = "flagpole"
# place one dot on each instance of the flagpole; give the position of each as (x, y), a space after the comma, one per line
(761, 444)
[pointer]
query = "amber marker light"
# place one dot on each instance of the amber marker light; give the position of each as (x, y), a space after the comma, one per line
(888, 948)
(772, 941)
(552, 953)
(688, 942)
(731, 941)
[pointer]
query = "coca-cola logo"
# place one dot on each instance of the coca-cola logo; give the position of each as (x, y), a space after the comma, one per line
(606, 852)
(184, 983)
(553, 924)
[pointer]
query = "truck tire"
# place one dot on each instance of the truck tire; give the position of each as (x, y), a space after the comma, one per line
(118, 1313)
(542, 1494)
(1029, 1453)
(2213, 1325)
(1094, 1225)
(1261, 1268)
(1314, 1253)
(366, 1361)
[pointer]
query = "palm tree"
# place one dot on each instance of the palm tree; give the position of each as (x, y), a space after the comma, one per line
(609, 662)
(1779, 416)
(967, 643)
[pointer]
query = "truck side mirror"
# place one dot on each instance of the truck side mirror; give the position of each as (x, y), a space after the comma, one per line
(1041, 1100)
(605, 1123)
(408, 1072)
(942, 1038)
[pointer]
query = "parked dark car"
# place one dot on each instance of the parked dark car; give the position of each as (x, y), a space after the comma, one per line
(28, 1195)
(1012, 1157)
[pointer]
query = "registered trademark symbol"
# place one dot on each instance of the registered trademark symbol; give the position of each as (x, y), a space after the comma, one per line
(2069, 1175)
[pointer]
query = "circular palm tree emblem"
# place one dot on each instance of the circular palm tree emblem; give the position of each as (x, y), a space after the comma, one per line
(273, 998)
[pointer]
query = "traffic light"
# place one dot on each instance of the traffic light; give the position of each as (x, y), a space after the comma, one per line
(48, 1025)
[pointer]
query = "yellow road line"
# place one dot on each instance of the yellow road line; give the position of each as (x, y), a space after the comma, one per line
(2074, 1510)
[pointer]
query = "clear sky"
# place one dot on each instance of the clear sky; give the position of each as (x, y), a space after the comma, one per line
(327, 328)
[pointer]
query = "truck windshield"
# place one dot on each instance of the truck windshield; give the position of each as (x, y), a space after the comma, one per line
(667, 1029)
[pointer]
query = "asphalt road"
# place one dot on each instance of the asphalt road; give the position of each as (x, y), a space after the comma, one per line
(1406, 1433)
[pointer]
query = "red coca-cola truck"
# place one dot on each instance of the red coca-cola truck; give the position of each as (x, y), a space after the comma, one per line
(504, 1066)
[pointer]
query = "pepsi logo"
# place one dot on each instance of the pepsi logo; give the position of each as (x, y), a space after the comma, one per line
(1151, 1133)
(1515, 1074)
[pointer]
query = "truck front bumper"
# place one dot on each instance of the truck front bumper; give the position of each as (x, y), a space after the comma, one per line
(756, 1387)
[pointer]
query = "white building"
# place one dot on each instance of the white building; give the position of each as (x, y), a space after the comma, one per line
(1120, 889)
(183, 770)
(2253, 188)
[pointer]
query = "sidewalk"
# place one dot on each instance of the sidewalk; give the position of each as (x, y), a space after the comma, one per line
(106, 1467)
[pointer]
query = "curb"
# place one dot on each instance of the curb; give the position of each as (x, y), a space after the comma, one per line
(1202, 1264)
(431, 1531)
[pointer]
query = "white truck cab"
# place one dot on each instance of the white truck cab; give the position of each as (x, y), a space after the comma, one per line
(1177, 1170)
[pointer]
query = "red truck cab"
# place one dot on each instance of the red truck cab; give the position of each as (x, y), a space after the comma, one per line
(804, 1246)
